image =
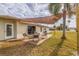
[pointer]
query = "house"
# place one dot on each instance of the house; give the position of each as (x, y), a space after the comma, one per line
(13, 28)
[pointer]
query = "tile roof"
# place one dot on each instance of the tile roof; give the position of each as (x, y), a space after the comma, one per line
(46, 20)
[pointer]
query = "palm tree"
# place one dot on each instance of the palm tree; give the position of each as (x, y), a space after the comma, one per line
(54, 8)
(68, 24)
(54, 30)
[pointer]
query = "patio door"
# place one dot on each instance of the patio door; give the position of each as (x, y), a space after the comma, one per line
(9, 31)
(31, 29)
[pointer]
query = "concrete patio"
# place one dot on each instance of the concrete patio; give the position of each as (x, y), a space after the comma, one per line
(12, 43)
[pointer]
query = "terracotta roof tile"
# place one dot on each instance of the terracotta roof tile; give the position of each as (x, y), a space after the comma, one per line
(47, 20)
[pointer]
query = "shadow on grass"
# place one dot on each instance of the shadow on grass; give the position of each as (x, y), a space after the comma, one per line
(57, 48)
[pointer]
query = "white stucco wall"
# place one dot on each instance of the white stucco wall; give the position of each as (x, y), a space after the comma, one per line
(38, 29)
(2, 30)
(21, 28)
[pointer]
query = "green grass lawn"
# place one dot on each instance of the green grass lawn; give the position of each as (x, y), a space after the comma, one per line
(57, 46)
(54, 46)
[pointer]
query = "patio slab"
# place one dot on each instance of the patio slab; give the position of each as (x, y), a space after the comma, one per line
(12, 43)
(41, 41)
(38, 41)
(7, 44)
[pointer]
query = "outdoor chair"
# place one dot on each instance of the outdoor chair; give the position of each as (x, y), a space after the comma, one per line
(36, 36)
(41, 36)
(45, 32)
(25, 36)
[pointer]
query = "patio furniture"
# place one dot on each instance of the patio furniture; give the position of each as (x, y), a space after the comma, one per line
(42, 36)
(45, 32)
(36, 36)
(25, 36)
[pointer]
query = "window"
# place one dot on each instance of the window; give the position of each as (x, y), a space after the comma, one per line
(9, 30)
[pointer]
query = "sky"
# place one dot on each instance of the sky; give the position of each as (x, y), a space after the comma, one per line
(32, 10)
(24, 10)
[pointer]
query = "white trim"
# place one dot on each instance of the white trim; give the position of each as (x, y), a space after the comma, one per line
(8, 37)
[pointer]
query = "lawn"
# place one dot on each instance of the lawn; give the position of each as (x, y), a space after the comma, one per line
(54, 46)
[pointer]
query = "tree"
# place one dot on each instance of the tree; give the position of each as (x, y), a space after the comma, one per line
(54, 8)
(68, 24)
(54, 30)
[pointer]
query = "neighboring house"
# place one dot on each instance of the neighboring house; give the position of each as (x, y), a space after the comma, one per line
(13, 28)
